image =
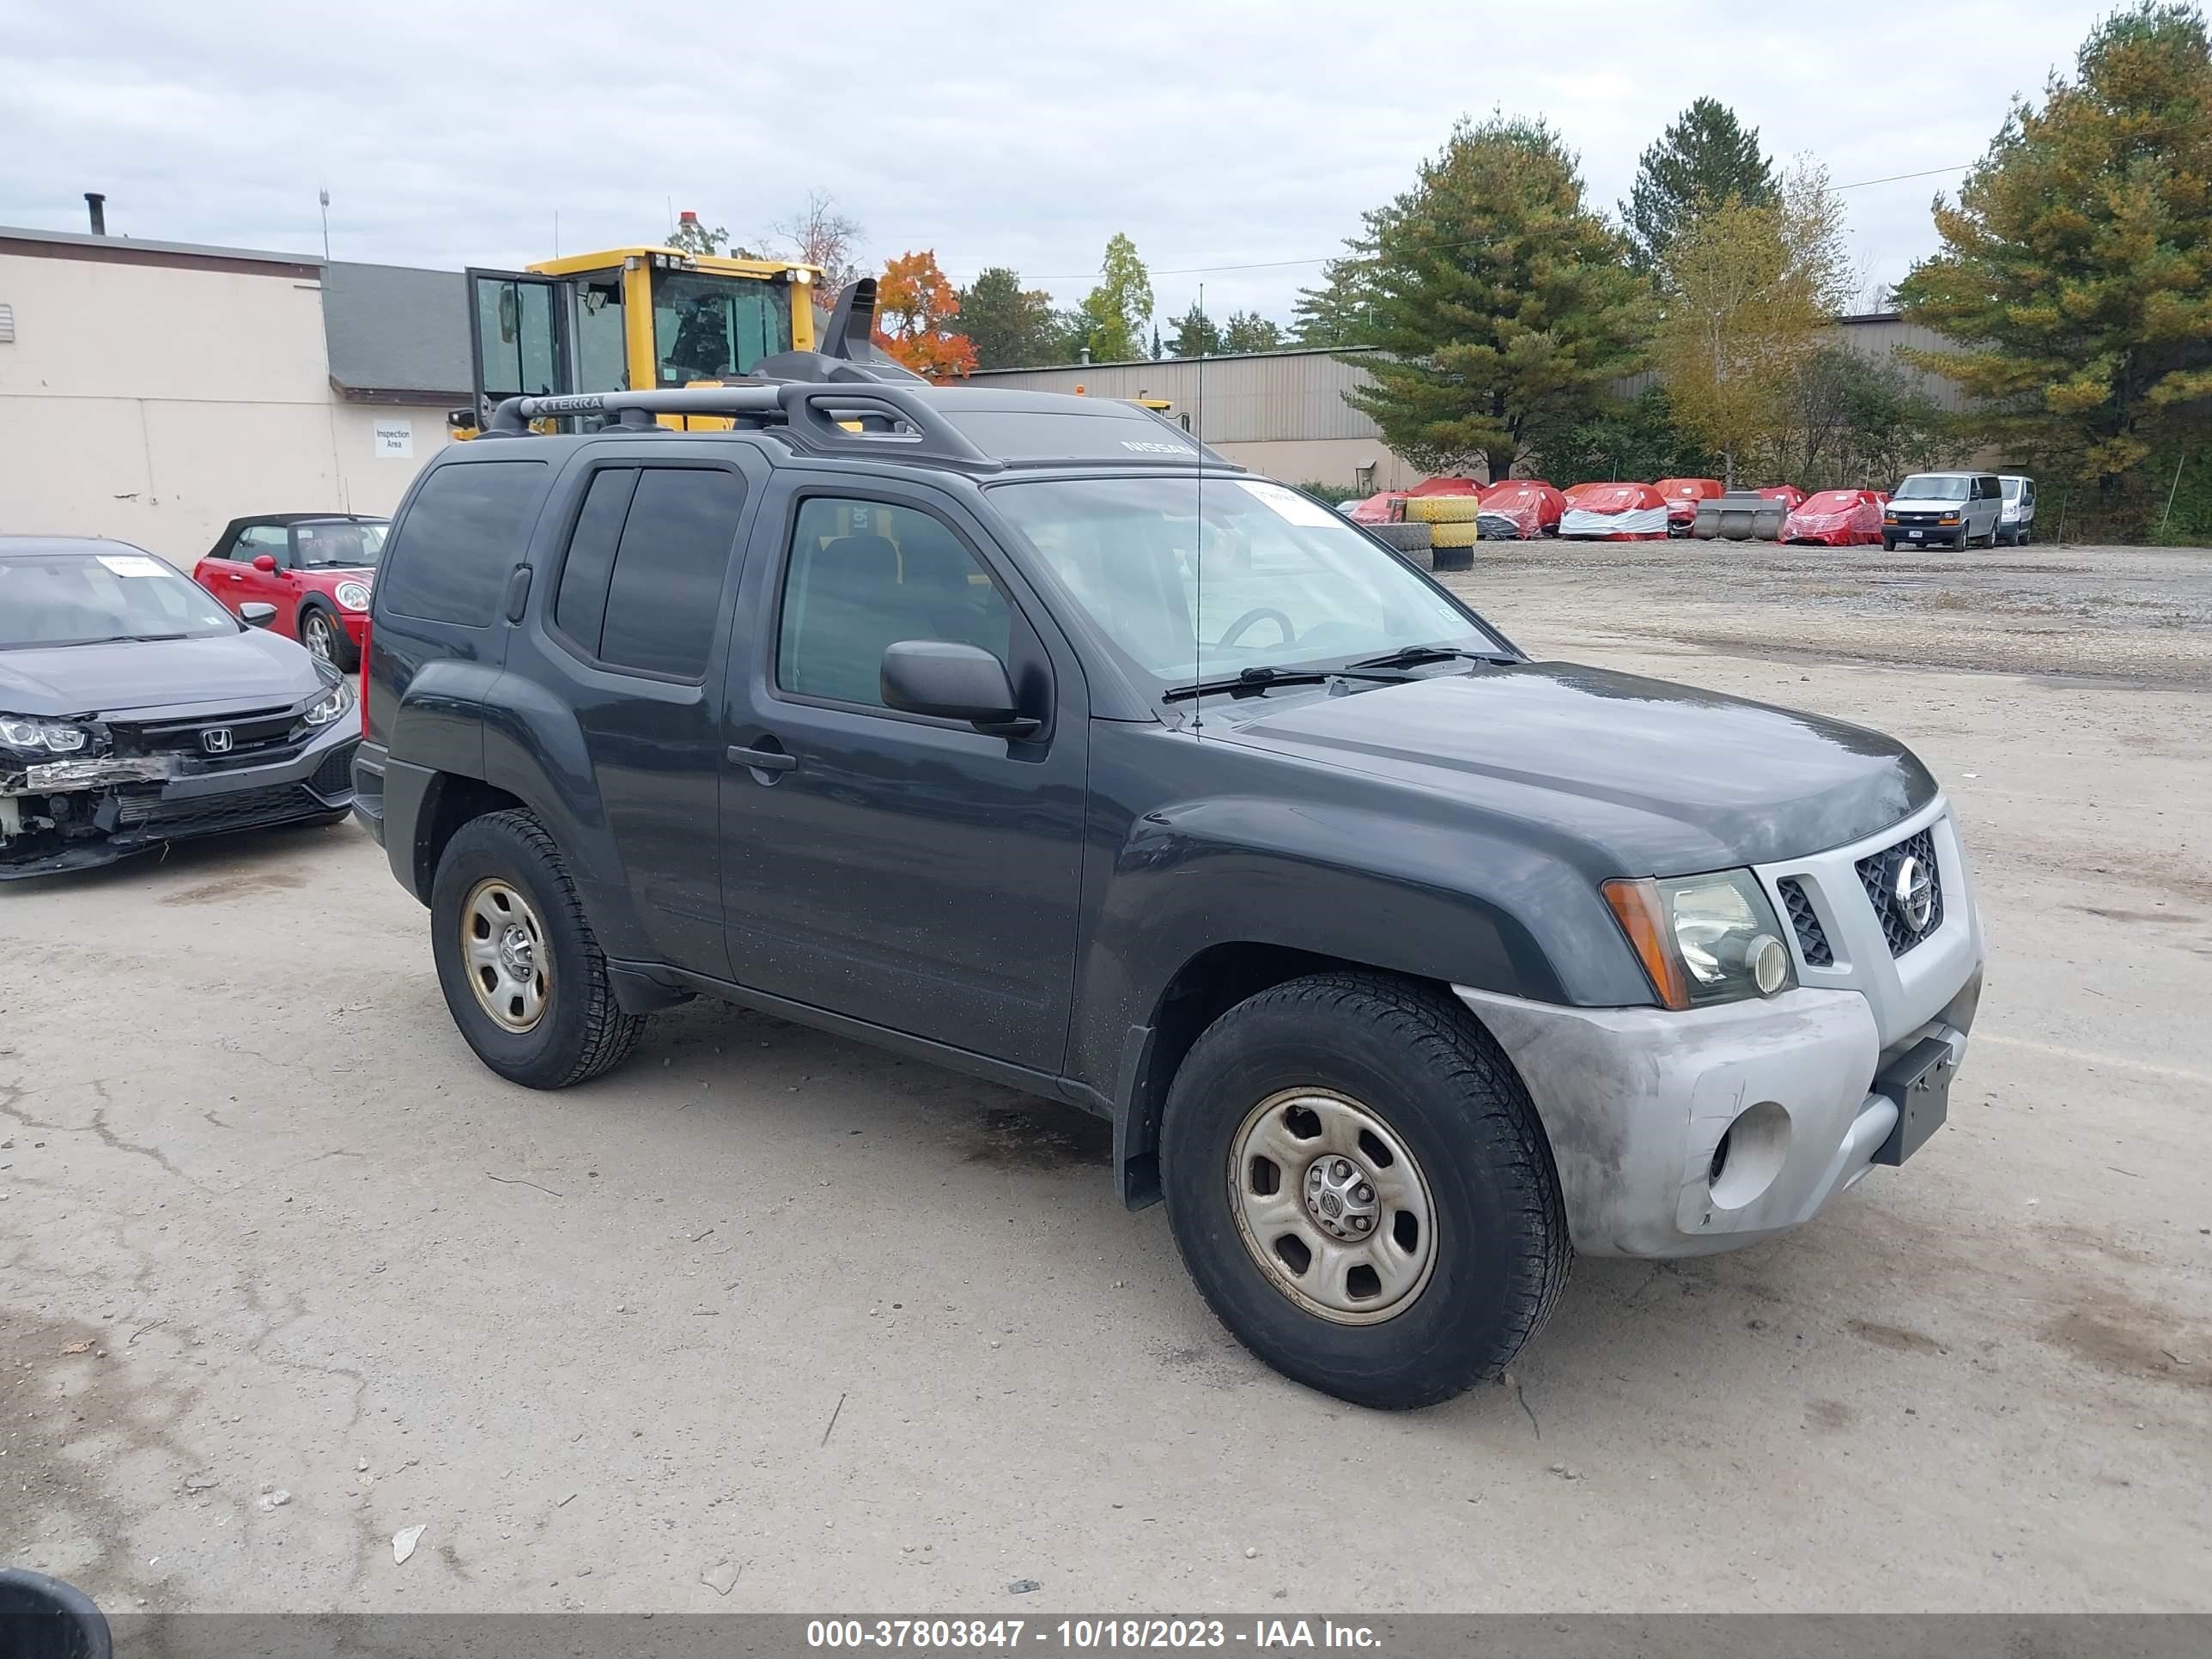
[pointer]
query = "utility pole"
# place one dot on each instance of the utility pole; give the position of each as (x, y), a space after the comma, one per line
(324, 196)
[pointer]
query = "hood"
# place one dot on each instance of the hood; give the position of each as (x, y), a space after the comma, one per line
(1659, 779)
(252, 669)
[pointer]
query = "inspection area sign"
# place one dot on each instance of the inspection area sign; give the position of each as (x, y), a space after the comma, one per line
(394, 439)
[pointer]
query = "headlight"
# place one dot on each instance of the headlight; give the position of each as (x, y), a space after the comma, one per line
(333, 703)
(354, 596)
(1703, 939)
(29, 732)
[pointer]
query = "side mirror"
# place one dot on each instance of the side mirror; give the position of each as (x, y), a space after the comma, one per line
(956, 683)
(265, 563)
(258, 614)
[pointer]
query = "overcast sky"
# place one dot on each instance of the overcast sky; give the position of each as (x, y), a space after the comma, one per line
(1214, 134)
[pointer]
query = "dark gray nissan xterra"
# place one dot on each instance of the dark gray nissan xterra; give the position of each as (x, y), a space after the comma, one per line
(1026, 735)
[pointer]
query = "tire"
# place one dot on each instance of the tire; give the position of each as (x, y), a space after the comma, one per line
(577, 1029)
(1888, 546)
(1455, 532)
(1418, 1066)
(1406, 538)
(1965, 539)
(1441, 509)
(324, 636)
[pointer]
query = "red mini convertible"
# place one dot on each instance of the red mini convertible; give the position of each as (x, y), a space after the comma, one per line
(315, 568)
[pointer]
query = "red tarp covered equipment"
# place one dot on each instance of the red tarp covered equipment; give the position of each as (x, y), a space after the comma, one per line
(1614, 513)
(1836, 517)
(1683, 495)
(1520, 509)
(1789, 495)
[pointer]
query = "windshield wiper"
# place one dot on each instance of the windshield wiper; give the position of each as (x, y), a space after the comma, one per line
(1248, 681)
(1412, 656)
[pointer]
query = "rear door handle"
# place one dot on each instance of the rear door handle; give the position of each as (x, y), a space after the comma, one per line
(764, 760)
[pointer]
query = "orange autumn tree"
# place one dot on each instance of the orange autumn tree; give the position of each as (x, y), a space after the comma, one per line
(916, 308)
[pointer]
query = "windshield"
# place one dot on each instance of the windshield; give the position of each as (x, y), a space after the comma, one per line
(708, 327)
(1931, 486)
(2013, 487)
(84, 598)
(1287, 583)
(340, 544)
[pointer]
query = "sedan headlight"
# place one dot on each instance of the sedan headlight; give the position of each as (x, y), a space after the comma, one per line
(51, 736)
(1703, 939)
(332, 703)
(354, 596)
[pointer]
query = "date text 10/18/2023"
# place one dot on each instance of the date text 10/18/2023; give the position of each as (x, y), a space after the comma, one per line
(1086, 1635)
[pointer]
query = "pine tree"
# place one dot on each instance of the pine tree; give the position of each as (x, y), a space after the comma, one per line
(1503, 305)
(1704, 161)
(1195, 335)
(2076, 274)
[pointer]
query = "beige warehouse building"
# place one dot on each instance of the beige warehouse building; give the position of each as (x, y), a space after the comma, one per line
(153, 392)
(1283, 413)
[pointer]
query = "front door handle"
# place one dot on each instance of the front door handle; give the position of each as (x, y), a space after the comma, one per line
(762, 760)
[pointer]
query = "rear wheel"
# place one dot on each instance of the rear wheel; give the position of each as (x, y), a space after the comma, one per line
(523, 975)
(1359, 1187)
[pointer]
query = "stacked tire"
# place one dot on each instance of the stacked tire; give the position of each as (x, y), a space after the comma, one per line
(1451, 522)
(1412, 540)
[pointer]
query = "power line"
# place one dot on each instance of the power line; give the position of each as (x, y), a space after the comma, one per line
(1323, 258)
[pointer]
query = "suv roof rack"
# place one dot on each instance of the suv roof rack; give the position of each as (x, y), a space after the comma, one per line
(856, 418)
(810, 414)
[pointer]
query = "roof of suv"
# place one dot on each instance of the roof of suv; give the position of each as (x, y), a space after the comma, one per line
(962, 428)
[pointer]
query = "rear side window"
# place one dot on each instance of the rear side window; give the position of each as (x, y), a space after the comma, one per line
(580, 608)
(641, 587)
(464, 530)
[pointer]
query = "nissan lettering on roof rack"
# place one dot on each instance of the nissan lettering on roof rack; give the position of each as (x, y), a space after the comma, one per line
(1026, 735)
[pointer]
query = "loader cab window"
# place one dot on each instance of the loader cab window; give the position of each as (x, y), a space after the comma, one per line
(708, 327)
(602, 359)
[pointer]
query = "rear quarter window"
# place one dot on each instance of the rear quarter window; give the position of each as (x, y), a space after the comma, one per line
(465, 529)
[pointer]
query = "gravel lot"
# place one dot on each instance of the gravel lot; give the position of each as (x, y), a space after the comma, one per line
(867, 1335)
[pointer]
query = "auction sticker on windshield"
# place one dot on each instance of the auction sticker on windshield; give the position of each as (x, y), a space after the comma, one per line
(133, 564)
(1287, 504)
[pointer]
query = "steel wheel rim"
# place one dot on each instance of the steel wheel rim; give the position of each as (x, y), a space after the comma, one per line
(319, 643)
(1323, 1146)
(503, 947)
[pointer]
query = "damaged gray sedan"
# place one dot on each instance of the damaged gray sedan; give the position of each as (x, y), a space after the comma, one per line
(136, 711)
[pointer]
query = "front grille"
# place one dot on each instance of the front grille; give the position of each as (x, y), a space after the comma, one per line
(199, 814)
(1878, 873)
(334, 777)
(1812, 938)
(257, 737)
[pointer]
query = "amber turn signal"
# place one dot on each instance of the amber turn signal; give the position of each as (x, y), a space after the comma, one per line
(1642, 916)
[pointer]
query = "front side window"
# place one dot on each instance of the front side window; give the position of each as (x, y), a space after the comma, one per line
(259, 539)
(89, 599)
(1190, 587)
(710, 327)
(862, 576)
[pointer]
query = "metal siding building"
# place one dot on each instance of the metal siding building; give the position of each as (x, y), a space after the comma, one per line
(1284, 412)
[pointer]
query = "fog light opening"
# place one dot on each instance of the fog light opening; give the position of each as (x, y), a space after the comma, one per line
(1749, 1157)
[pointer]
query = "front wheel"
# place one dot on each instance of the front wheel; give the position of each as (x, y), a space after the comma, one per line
(523, 975)
(320, 632)
(1360, 1188)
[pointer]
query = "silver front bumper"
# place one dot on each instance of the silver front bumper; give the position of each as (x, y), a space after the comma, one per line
(1635, 1101)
